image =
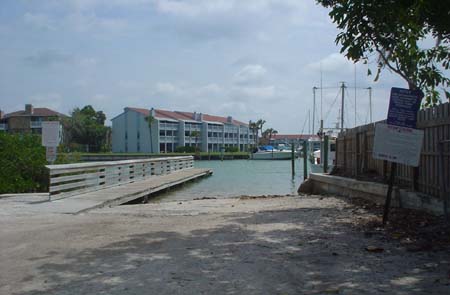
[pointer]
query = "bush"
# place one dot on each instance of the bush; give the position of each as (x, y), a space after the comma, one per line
(231, 149)
(186, 149)
(68, 158)
(22, 162)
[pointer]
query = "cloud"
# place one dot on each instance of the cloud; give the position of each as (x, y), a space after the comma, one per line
(48, 58)
(256, 94)
(167, 88)
(53, 101)
(250, 74)
(333, 63)
(84, 22)
(39, 21)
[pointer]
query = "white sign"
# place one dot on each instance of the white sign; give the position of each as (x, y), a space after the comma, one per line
(397, 144)
(50, 153)
(50, 133)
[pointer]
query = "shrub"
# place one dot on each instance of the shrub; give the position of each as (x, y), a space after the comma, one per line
(231, 149)
(22, 162)
(186, 149)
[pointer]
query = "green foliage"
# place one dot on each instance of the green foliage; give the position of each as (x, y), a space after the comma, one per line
(68, 158)
(394, 32)
(22, 162)
(231, 149)
(186, 149)
(85, 130)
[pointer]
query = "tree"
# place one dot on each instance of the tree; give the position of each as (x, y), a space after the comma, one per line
(260, 123)
(86, 127)
(22, 158)
(394, 32)
(150, 119)
(196, 135)
(268, 133)
(253, 126)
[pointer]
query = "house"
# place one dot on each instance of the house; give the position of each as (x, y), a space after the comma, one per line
(28, 120)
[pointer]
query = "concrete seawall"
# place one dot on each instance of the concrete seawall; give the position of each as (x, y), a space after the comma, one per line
(319, 183)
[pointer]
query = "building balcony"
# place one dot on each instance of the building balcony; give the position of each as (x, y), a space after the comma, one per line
(3, 126)
(168, 139)
(36, 124)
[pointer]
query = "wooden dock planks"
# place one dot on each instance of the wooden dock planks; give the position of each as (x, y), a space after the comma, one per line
(120, 194)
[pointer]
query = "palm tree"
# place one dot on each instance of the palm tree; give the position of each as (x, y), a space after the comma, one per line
(260, 123)
(150, 119)
(196, 135)
(253, 126)
(268, 133)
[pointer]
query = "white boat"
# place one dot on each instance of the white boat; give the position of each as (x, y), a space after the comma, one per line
(316, 161)
(270, 153)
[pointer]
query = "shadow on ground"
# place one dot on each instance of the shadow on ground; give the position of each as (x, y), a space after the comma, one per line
(301, 251)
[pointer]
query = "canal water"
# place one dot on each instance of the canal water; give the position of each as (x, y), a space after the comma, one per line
(239, 177)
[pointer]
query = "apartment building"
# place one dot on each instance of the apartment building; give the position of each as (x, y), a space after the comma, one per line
(171, 129)
(28, 120)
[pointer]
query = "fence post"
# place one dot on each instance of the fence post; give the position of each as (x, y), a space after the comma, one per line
(305, 159)
(325, 154)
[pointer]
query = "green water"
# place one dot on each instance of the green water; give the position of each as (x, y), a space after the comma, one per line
(240, 177)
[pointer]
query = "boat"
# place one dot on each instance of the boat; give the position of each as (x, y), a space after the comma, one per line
(316, 161)
(268, 152)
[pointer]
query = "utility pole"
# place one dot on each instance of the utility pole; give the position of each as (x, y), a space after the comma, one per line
(342, 106)
(314, 108)
(370, 103)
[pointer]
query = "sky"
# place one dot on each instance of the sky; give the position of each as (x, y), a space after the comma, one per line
(249, 59)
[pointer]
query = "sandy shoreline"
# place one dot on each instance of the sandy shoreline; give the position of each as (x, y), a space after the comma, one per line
(269, 245)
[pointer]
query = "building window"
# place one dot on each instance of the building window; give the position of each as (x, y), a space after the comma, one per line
(187, 133)
(162, 133)
(138, 135)
(162, 148)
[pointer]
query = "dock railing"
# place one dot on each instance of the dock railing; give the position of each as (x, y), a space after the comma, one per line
(73, 179)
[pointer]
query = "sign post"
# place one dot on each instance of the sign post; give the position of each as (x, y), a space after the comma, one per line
(50, 139)
(399, 141)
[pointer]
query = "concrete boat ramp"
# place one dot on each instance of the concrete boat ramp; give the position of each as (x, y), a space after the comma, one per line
(26, 204)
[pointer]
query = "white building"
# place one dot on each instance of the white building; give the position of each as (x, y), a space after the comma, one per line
(131, 132)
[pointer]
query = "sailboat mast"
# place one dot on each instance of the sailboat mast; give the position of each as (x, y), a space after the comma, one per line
(342, 106)
(314, 108)
(321, 93)
(309, 121)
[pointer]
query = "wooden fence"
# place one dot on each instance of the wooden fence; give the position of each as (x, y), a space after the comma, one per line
(74, 179)
(354, 153)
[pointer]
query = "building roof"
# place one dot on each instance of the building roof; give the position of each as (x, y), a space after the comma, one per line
(293, 136)
(185, 116)
(37, 112)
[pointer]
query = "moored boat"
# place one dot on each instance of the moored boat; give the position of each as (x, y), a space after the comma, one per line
(270, 153)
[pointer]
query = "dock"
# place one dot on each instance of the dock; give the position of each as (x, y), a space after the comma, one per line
(103, 185)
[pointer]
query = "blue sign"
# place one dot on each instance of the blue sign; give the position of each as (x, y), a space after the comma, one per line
(403, 107)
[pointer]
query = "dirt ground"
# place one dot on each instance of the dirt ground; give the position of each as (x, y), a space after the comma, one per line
(267, 245)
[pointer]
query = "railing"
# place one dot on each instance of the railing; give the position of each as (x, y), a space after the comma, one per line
(36, 124)
(3, 126)
(70, 179)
